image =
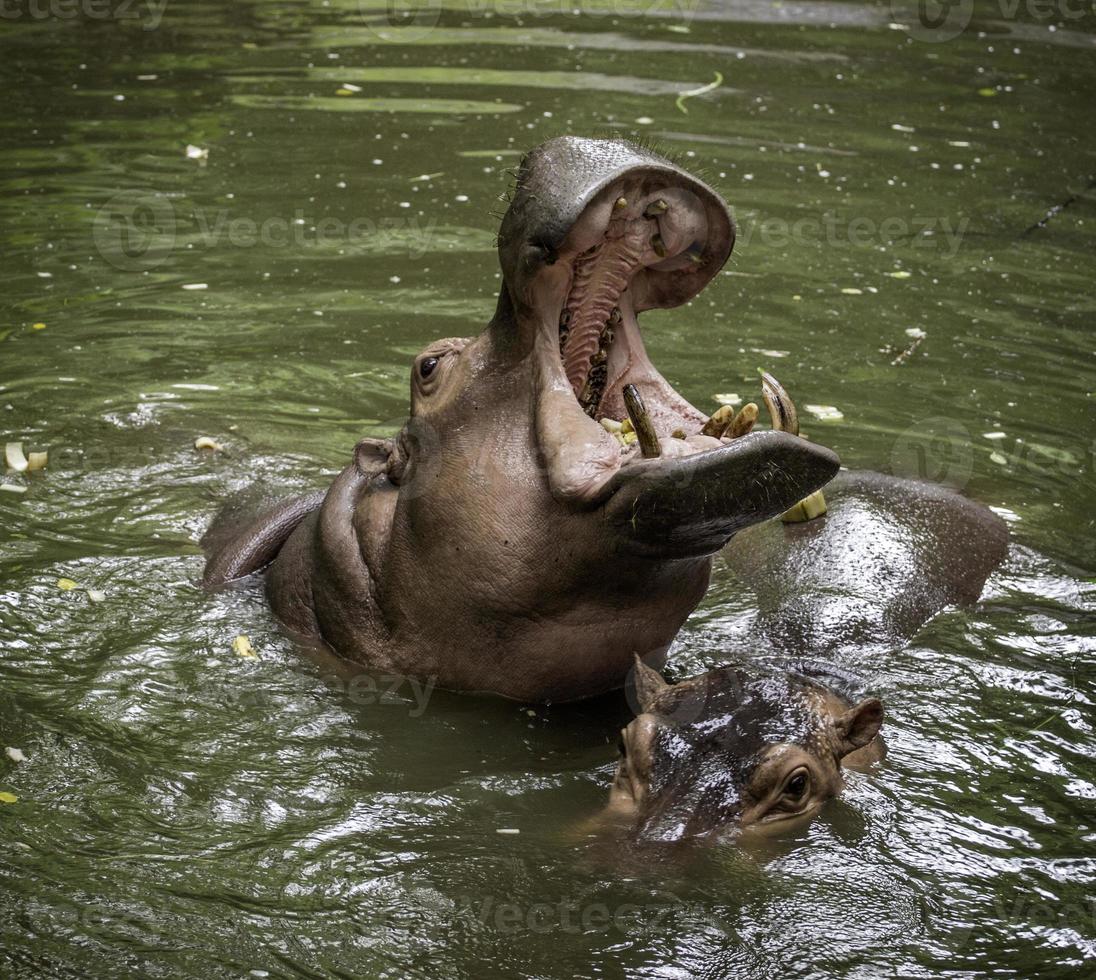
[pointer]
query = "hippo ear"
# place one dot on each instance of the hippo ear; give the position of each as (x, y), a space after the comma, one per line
(649, 684)
(371, 455)
(859, 725)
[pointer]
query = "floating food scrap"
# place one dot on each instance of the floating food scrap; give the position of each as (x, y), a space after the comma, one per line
(196, 152)
(66, 584)
(13, 456)
(16, 755)
(38, 326)
(12, 488)
(692, 93)
(825, 413)
(727, 398)
(94, 595)
(19, 463)
(8, 798)
(900, 274)
(243, 648)
(205, 442)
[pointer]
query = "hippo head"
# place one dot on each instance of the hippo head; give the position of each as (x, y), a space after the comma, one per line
(728, 750)
(596, 232)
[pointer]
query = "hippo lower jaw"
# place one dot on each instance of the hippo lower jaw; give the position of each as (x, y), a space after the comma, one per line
(636, 235)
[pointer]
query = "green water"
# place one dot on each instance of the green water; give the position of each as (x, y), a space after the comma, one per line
(184, 812)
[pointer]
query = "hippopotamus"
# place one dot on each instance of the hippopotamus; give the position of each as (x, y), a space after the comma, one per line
(506, 541)
(733, 750)
(513, 538)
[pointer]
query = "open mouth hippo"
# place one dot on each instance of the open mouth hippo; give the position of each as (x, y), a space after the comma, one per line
(729, 750)
(511, 538)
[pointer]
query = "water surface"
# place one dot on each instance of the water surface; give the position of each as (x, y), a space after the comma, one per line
(184, 812)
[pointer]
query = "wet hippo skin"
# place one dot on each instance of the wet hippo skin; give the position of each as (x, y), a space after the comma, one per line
(889, 555)
(730, 750)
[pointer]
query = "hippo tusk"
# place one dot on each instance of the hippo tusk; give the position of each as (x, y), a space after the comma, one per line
(781, 407)
(641, 422)
(786, 419)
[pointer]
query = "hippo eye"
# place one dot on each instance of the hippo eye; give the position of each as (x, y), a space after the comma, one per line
(797, 786)
(426, 366)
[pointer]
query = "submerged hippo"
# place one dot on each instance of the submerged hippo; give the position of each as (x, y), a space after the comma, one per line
(505, 540)
(727, 750)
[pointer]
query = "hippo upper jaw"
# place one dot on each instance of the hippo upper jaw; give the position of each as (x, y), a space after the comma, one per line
(642, 234)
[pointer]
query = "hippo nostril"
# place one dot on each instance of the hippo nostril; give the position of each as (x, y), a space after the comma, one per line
(547, 253)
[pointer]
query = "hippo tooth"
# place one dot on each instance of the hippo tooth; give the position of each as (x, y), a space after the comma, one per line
(721, 418)
(743, 421)
(655, 208)
(641, 422)
(778, 402)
